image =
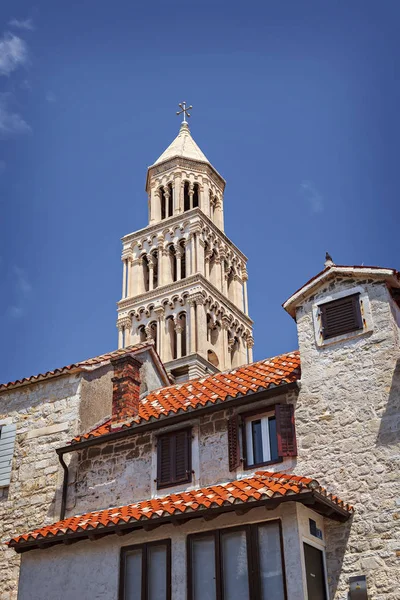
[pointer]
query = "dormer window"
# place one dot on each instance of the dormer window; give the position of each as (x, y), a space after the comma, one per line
(341, 316)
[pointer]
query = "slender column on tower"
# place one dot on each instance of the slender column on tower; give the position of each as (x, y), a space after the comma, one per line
(192, 325)
(124, 267)
(178, 331)
(151, 272)
(245, 278)
(218, 273)
(250, 344)
(178, 253)
(177, 193)
(191, 192)
(238, 287)
(201, 324)
(205, 197)
(200, 255)
(225, 347)
(160, 313)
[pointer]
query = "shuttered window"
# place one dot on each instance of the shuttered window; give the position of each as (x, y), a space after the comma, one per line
(269, 437)
(285, 430)
(174, 458)
(233, 443)
(7, 441)
(341, 316)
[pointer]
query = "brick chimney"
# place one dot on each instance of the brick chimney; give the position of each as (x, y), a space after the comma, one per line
(126, 386)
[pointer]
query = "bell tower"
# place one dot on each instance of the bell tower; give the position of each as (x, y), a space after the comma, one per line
(184, 282)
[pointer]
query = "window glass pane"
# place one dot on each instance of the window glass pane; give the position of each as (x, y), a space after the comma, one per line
(257, 442)
(133, 575)
(203, 568)
(157, 572)
(271, 571)
(273, 441)
(234, 565)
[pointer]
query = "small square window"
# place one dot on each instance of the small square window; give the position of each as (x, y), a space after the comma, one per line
(341, 316)
(261, 439)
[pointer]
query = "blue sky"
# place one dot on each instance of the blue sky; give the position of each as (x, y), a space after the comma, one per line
(295, 103)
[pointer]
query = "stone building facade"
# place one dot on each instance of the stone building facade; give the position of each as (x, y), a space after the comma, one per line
(274, 480)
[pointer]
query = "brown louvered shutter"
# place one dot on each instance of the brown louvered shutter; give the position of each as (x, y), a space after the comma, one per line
(341, 316)
(233, 443)
(182, 449)
(164, 459)
(285, 430)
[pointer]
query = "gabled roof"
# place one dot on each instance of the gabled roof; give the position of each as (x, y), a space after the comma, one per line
(90, 365)
(390, 275)
(195, 393)
(183, 146)
(262, 487)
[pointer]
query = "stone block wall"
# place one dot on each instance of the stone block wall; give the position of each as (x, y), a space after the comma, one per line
(46, 416)
(348, 431)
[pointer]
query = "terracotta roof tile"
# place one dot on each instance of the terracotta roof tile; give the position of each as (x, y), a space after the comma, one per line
(263, 485)
(255, 377)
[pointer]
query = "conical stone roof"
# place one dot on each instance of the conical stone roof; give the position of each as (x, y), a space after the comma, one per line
(184, 146)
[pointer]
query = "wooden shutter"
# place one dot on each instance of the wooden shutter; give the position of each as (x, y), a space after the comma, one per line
(7, 441)
(182, 445)
(233, 443)
(174, 458)
(341, 316)
(285, 430)
(164, 459)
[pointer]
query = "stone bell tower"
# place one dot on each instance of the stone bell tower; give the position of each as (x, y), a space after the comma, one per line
(184, 282)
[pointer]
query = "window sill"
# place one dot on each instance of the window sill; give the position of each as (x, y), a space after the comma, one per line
(263, 464)
(173, 484)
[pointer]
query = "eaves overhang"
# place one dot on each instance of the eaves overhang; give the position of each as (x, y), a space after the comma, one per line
(263, 488)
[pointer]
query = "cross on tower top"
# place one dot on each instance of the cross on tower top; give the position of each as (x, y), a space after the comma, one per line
(184, 110)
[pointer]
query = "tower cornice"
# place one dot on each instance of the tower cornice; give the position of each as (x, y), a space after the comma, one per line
(181, 220)
(177, 286)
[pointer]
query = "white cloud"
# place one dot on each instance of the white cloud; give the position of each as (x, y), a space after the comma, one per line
(11, 123)
(23, 288)
(13, 53)
(312, 196)
(26, 24)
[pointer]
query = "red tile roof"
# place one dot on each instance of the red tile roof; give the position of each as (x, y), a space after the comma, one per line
(85, 365)
(262, 486)
(182, 397)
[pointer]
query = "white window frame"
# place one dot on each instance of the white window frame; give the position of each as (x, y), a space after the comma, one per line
(365, 316)
(266, 444)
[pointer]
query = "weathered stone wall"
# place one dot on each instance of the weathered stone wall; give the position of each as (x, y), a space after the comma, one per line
(118, 473)
(46, 416)
(348, 421)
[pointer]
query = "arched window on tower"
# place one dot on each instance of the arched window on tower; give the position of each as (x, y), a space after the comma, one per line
(154, 259)
(163, 203)
(145, 270)
(171, 337)
(235, 356)
(183, 334)
(183, 259)
(152, 327)
(170, 200)
(172, 262)
(231, 275)
(142, 333)
(186, 197)
(196, 195)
